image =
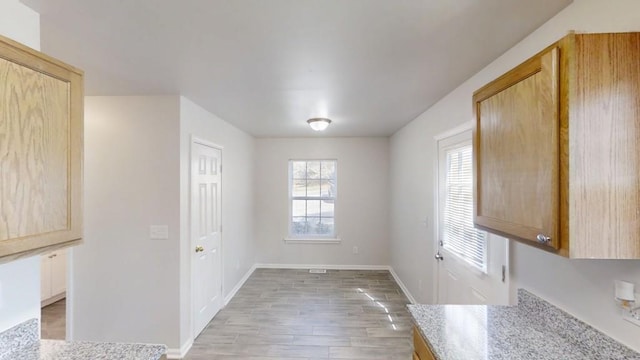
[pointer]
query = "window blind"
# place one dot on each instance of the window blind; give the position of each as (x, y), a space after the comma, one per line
(459, 235)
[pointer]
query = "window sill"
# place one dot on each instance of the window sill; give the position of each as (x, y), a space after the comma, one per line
(288, 240)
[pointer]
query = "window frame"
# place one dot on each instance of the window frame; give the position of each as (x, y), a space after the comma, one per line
(316, 238)
(455, 141)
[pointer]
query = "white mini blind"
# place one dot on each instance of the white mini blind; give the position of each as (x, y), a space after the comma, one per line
(459, 236)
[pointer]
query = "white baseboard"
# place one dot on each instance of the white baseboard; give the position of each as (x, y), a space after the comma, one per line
(51, 300)
(322, 266)
(180, 353)
(235, 289)
(402, 286)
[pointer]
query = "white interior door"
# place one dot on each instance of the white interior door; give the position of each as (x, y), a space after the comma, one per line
(472, 265)
(205, 233)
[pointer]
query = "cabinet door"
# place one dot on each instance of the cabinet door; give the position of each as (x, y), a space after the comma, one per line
(59, 272)
(45, 277)
(516, 152)
(420, 347)
(40, 150)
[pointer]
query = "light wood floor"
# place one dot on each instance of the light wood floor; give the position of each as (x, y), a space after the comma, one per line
(291, 314)
(53, 321)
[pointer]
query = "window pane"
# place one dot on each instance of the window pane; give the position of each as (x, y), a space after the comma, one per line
(299, 188)
(299, 226)
(299, 169)
(459, 236)
(313, 207)
(313, 188)
(327, 208)
(312, 223)
(328, 170)
(325, 227)
(313, 169)
(299, 208)
(327, 188)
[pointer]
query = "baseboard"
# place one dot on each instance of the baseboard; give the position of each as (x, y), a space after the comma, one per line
(322, 266)
(402, 286)
(51, 300)
(235, 289)
(180, 353)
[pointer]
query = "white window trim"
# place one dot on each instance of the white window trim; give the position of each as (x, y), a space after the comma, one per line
(306, 238)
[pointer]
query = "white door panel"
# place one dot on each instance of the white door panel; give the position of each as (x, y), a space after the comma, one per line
(206, 237)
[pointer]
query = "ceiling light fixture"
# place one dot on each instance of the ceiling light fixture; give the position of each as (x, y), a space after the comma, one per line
(319, 124)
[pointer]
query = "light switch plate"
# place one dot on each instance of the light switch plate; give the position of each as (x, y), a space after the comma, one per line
(159, 232)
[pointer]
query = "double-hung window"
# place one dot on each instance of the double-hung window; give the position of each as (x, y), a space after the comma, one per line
(312, 198)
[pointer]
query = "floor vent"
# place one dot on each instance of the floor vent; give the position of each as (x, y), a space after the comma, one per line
(317, 271)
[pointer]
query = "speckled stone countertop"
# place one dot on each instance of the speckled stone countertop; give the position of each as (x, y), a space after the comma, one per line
(534, 329)
(23, 342)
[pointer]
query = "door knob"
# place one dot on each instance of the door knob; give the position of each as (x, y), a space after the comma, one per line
(199, 249)
(543, 239)
(439, 257)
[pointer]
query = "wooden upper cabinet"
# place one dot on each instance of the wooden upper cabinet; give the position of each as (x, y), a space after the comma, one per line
(557, 149)
(41, 127)
(516, 151)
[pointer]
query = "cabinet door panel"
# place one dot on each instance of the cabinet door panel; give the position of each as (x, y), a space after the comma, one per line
(516, 147)
(41, 127)
(59, 273)
(45, 277)
(35, 153)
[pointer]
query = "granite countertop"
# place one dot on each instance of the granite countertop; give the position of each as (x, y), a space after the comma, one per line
(534, 329)
(23, 342)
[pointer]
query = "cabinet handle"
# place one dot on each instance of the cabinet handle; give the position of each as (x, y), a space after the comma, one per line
(543, 239)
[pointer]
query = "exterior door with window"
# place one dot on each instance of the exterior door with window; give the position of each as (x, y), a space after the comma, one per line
(472, 265)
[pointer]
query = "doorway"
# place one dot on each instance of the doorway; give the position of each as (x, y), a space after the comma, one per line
(53, 293)
(206, 229)
(472, 265)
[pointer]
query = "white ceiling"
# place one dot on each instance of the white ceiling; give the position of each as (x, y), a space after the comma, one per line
(266, 66)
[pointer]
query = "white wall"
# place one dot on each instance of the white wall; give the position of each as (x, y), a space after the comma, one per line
(126, 285)
(583, 288)
(237, 200)
(20, 279)
(362, 213)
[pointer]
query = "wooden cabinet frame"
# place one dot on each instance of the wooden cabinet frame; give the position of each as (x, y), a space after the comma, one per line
(597, 206)
(29, 80)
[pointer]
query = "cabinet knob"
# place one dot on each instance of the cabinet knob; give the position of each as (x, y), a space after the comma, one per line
(543, 239)
(199, 248)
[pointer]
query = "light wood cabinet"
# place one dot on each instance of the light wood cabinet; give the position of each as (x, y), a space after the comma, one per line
(53, 276)
(557, 155)
(41, 126)
(420, 347)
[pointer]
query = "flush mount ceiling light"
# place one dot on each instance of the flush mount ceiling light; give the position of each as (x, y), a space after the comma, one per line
(319, 124)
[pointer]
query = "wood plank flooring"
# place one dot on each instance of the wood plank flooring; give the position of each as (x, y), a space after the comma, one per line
(53, 321)
(292, 315)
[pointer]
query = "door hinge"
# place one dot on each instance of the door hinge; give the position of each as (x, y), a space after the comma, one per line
(220, 168)
(220, 228)
(504, 273)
